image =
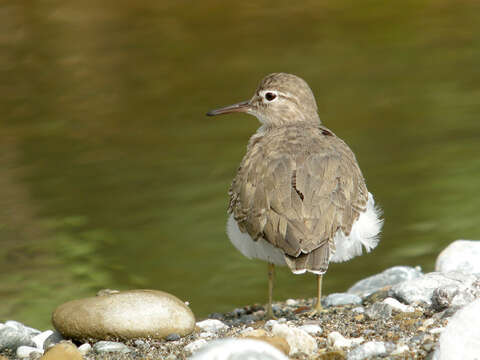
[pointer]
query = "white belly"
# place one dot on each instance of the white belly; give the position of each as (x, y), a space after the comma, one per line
(364, 233)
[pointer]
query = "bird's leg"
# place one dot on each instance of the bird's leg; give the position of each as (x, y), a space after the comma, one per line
(317, 309)
(271, 273)
(318, 305)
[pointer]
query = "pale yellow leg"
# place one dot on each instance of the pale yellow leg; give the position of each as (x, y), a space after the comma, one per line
(271, 273)
(318, 305)
(317, 309)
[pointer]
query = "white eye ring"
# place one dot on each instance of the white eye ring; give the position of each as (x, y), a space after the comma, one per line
(270, 96)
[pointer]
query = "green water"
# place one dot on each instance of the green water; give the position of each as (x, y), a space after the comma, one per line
(111, 176)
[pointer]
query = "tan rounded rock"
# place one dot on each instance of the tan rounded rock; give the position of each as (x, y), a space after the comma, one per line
(124, 315)
(62, 351)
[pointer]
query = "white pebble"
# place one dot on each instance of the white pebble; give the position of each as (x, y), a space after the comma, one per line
(23, 352)
(438, 330)
(338, 341)
(359, 309)
(270, 323)
(428, 322)
(397, 305)
(311, 329)
(40, 338)
(246, 330)
(291, 302)
(212, 325)
(298, 340)
(206, 334)
(195, 345)
(85, 348)
(367, 350)
(400, 349)
(238, 349)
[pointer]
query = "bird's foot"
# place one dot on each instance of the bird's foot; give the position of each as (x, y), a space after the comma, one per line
(269, 314)
(317, 310)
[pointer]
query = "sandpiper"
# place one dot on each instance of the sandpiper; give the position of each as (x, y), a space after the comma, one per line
(299, 198)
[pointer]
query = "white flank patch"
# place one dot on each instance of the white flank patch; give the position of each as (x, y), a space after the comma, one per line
(260, 249)
(365, 232)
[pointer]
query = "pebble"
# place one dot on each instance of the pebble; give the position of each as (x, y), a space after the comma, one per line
(11, 337)
(420, 290)
(212, 325)
(460, 255)
(379, 310)
(338, 341)
(84, 349)
(400, 349)
(311, 329)
(270, 323)
(359, 309)
(389, 277)
(369, 349)
(62, 351)
(39, 339)
(339, 299)
(291, 302)
(298, 340)
(236, 349)
(195, 345)
(397, 305)
(206, 334)
(110, 347)
(437, 330)
(172, 337)
(54, 338)
(461, 337)
(125, 315)
(23, 352)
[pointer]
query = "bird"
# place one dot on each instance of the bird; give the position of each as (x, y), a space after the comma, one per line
(299, 198)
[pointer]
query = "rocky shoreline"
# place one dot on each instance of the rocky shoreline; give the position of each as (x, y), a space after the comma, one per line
(400, 313)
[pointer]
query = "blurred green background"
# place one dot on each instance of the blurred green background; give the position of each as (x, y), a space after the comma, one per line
(111, 176)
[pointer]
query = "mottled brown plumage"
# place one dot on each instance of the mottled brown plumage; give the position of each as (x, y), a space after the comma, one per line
(285, 164)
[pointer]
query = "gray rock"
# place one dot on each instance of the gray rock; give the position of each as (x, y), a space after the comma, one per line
(52, 340)
(124, 315)
(238, 349)
(370, 349)
(13, 337)
(212, 325)
(461, 337)
(25, 352)
(460, 255)
(379, 310)
(110, 346)
(172, 337)
(391, 276)
(21, 327)
(338, 299)
(420, 290)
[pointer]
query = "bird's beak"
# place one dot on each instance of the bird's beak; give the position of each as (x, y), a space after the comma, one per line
(238, 107)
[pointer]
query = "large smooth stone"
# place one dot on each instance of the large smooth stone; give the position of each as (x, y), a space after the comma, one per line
(237, 349)
(391, 276)
(124, 315)
(461, 337)
(422, 289)
(460, 255)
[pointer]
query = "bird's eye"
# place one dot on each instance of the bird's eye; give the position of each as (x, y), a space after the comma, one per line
(270, 96)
